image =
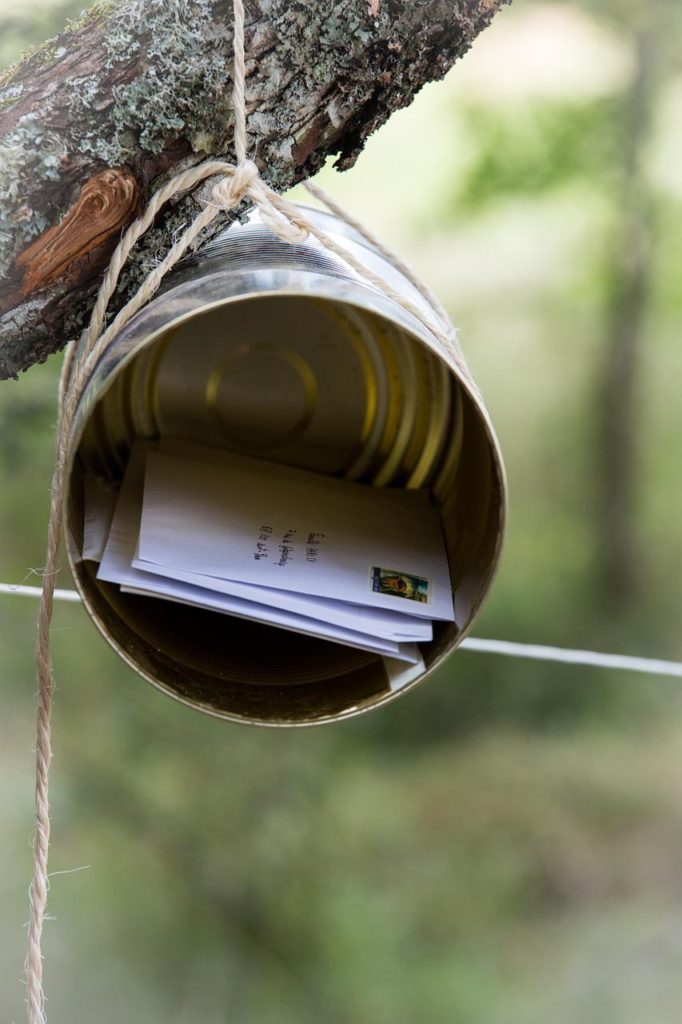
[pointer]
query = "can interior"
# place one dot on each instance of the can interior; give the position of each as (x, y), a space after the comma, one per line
(340, 390)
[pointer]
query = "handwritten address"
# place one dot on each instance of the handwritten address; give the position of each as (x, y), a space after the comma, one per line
(284, 550)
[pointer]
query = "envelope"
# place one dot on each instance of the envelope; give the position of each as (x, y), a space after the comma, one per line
(269, 525)
(115, 567)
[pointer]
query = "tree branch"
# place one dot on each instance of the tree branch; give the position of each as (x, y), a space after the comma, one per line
(95, 120)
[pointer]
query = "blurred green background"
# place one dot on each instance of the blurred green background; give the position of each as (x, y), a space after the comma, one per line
(504, 846)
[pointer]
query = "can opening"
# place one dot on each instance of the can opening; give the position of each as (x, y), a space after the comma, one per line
(312, 382)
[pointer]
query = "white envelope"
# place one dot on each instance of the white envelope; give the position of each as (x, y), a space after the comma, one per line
(270, 525)
(380, 622)
(373, 621)
(115, 567)
(184, 593)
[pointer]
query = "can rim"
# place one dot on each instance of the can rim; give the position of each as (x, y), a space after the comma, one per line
(295, 283)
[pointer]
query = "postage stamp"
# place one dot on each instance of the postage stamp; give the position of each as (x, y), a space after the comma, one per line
(399, 584)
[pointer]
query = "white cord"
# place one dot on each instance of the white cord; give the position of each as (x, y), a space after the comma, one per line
(59, 595)
(653, 666)
(539, 652)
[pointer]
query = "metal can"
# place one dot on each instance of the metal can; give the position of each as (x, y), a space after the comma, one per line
(282, 351)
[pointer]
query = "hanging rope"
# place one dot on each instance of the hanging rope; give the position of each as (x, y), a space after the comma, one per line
(236, 183)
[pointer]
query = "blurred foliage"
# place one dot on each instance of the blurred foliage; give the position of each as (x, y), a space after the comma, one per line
(25, 26)
(500, 847)
(548, 147)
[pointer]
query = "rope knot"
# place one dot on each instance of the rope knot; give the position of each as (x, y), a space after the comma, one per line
(235, 187)
(283, 219)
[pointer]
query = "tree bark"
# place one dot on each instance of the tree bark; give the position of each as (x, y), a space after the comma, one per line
(96, 119)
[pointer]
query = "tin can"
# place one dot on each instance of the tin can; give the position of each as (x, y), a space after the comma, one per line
(282, 351)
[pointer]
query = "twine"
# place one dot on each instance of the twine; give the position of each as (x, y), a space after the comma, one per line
(237, 182)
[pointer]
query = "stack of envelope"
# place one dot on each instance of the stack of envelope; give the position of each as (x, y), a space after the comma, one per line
(347, 562)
